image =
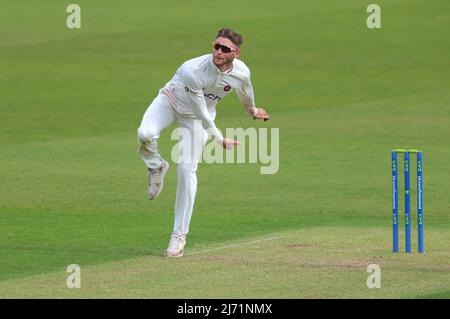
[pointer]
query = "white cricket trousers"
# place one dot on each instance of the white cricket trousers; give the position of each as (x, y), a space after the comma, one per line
(159, 115)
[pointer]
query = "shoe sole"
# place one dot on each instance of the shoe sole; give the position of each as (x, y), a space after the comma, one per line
(163, 174)
(174, 256)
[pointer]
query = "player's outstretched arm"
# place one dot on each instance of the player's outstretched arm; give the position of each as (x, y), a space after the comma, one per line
(247, 98)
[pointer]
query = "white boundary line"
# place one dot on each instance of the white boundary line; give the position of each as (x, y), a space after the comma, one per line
(235, 245)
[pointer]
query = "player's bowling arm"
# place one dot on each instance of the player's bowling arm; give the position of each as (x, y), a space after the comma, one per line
(196, 100)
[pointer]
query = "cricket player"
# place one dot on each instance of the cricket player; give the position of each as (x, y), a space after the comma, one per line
(190, 97)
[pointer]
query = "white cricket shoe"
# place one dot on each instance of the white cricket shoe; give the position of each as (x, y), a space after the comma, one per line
(176, 246)
(156, 179)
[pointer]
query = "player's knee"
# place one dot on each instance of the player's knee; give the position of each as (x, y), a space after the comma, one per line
(145, 134)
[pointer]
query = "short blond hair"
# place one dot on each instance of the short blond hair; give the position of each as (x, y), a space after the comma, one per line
(234, 37)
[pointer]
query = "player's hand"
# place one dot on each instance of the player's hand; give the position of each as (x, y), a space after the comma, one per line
(261, 114)
(229, 143)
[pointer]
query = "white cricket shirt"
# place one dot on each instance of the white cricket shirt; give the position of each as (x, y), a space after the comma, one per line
(198, 85)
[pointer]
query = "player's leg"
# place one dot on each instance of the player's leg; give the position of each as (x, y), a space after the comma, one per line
(187, 183)
(157, 117)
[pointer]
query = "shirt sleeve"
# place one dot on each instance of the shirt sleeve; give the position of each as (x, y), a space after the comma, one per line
(196, 99)
(246, 96)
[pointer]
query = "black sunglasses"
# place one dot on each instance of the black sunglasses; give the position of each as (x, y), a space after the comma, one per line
(222, 47)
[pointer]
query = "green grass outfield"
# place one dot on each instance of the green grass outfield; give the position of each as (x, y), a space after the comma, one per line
(73, 189)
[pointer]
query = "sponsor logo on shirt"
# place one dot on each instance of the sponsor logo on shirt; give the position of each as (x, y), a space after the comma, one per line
(212, 96)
